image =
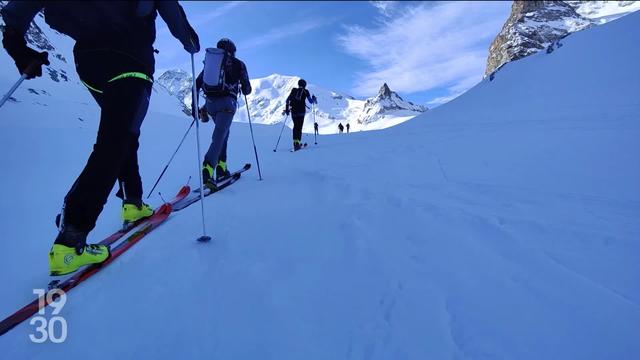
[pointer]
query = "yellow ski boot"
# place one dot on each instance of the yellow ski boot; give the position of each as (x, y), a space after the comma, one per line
(65, 259)
(133, 211)
(207, 177)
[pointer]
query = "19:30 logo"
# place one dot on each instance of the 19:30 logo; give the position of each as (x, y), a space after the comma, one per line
(53, 329)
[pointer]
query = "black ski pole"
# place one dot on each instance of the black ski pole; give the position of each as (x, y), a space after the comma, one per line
(315, 126)
(194, 105)
(255, 150)
(13, 89)
(171, 159)
(281, 130)
(26, 73)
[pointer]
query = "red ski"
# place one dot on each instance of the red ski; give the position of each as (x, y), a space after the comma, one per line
(142, 227)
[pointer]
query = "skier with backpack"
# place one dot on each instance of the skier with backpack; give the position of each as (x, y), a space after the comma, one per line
(114, 58)
(297, 107)
(222, 78)
(340, 128)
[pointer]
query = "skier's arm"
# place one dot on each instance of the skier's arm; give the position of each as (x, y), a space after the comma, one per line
(17, 16)
(173, 14)
(288, 101)
(244, 79)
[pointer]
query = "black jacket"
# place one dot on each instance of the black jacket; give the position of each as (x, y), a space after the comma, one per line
(296, 101)
(123, 26)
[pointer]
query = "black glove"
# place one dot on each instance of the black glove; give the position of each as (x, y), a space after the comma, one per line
(204, 116)
(286, 112)
(314, 99)
(194, 42)
(28, 61)
(194, 47)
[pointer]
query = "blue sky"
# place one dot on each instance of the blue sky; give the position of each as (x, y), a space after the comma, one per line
(428, 52)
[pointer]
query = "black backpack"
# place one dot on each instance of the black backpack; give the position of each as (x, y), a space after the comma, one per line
(298, 97)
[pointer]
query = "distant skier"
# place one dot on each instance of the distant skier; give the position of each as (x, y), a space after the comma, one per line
(296, 106)
(114, 59)
(348, 127)
(315, 129)
(340, 128)
(222, 78)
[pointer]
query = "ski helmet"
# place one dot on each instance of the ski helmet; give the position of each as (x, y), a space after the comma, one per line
(302, 83)
(227, 45)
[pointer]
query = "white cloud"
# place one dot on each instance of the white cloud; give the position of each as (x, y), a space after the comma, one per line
(384, 7)
(426, 46)
(282, 32)
(203, 18)
(217, 12)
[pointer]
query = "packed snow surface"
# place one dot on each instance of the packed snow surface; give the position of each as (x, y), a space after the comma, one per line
(502, 225)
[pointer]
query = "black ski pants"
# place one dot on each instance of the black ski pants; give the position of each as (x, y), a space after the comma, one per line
(298, 121)
(123, 103)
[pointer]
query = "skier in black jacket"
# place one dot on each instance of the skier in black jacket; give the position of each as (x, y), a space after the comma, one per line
(114, 59)
(297, 107)
(221, 105)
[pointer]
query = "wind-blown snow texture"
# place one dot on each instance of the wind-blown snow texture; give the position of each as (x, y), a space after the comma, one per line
(502, 225)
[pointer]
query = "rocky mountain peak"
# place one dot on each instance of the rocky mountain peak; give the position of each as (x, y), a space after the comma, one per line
(384, 92)
(531, 27)
(385, 101)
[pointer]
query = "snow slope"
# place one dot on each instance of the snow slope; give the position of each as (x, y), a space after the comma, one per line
(502, 225)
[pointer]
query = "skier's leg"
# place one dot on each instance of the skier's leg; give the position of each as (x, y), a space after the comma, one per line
(130, 186)
(223, 150)
(297, 130)
(222, 111)
(124, 104)
(221, 167)
(129, 181)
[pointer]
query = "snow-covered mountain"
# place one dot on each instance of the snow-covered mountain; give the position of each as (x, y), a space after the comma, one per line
(531, 27)
(604, 11)
(501, 225)
(267, 102)
(178, 83)
(535, 25)
(387, 102)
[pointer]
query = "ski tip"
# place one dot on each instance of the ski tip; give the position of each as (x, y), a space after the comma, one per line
(204, 238)
(185, 190)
